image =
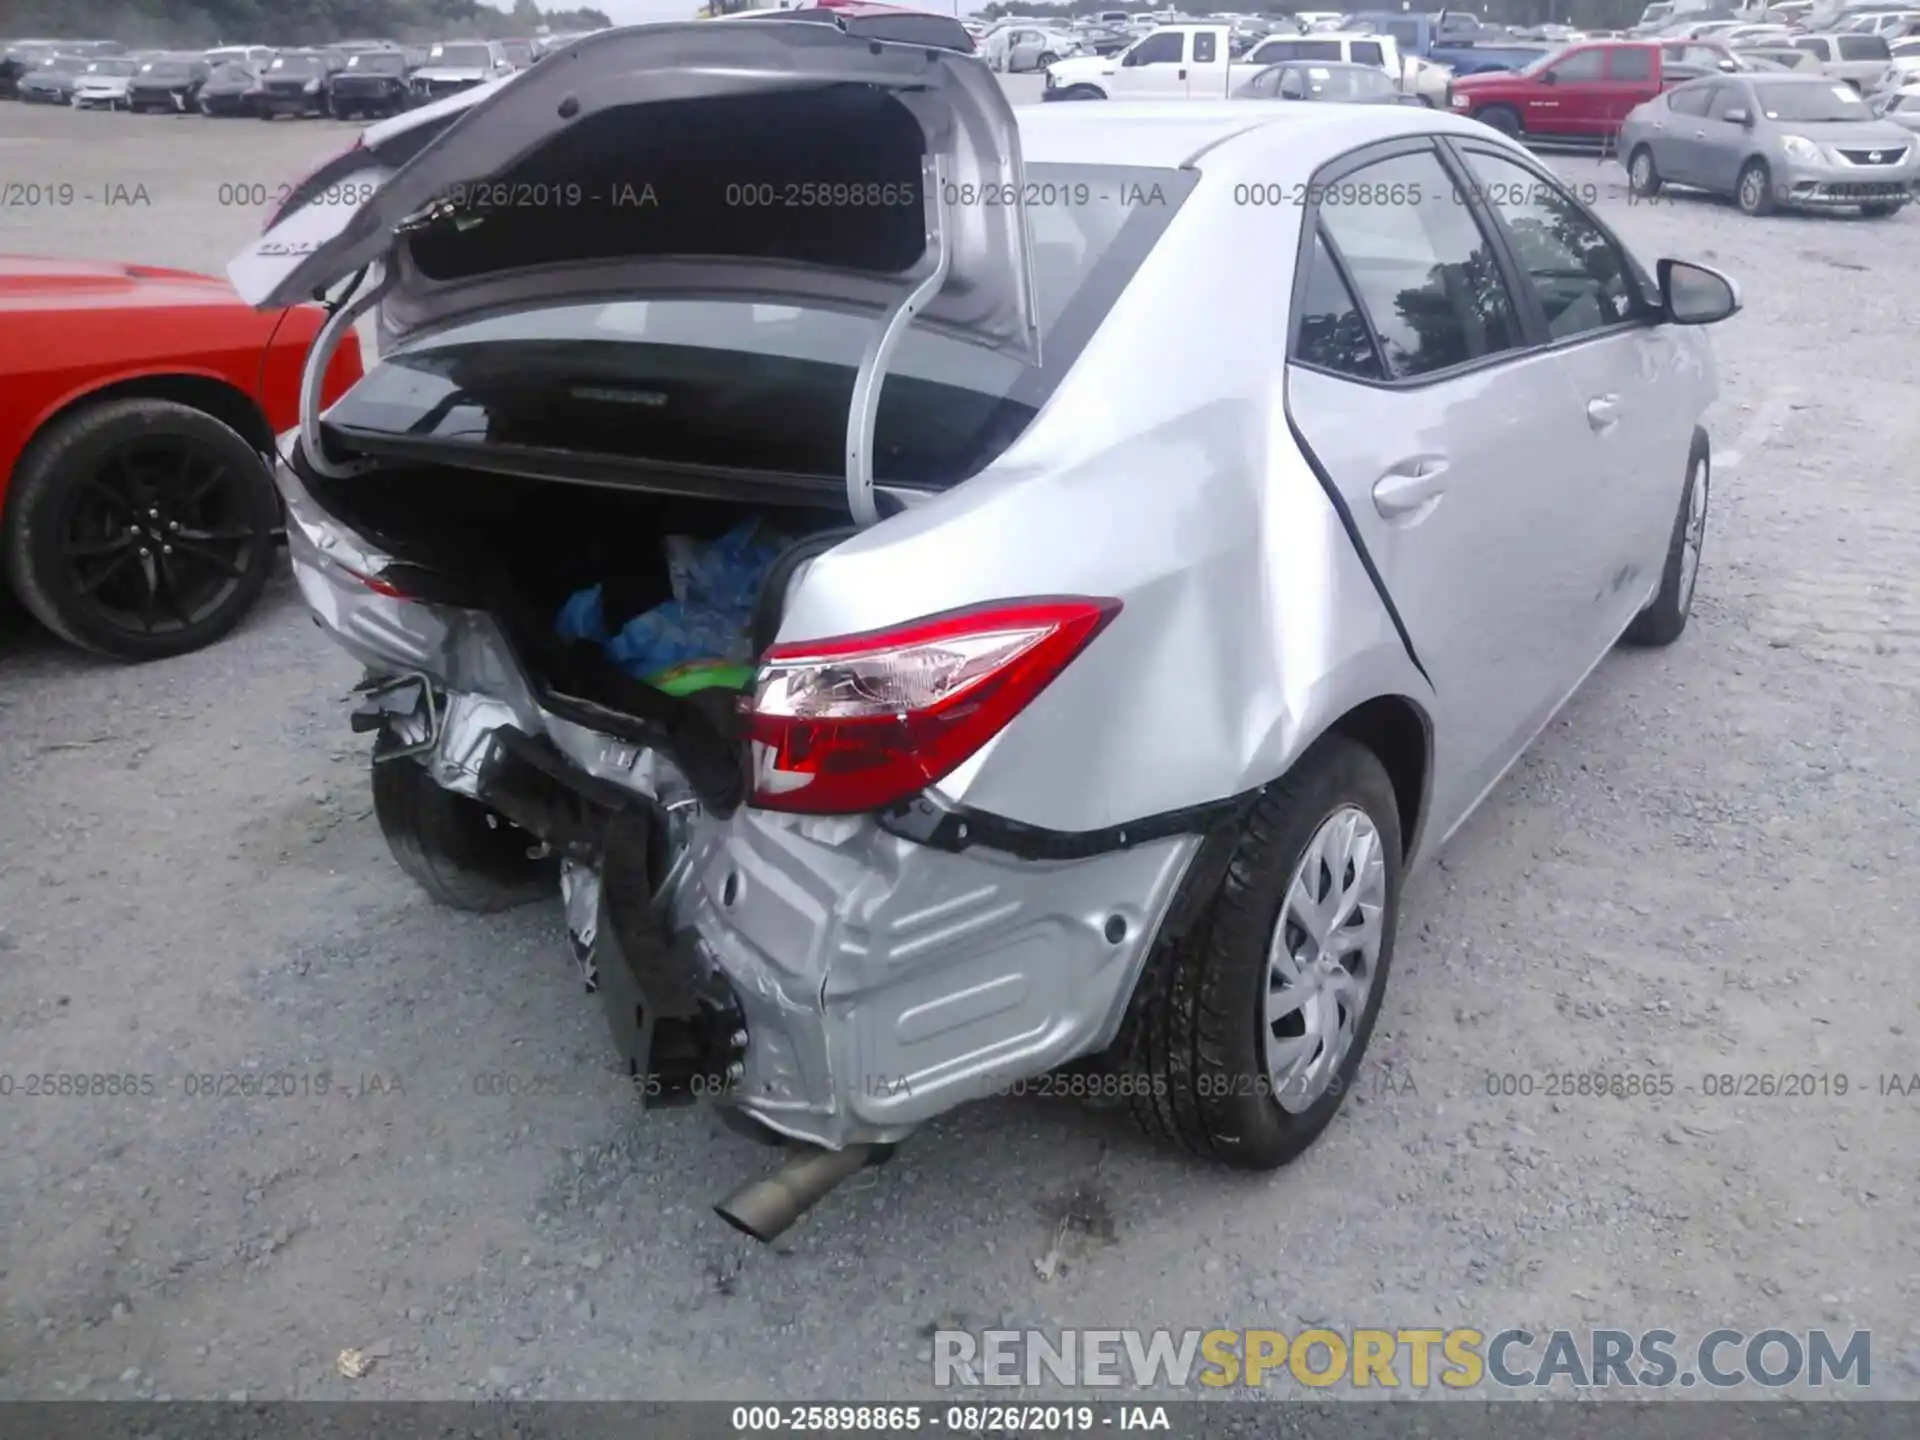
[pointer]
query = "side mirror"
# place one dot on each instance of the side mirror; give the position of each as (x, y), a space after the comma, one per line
(1695, 295)
(1738, 116)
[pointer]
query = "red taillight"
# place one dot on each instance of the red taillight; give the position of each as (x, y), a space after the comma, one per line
(375, 583)
(853, 724)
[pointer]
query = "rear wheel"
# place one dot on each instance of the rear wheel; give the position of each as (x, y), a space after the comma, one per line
(1503, 118)
(1252, 1026)
(1643, 177)
(140, 529)
(456, 849)
(1084, 92)
(1754, 190)
(1049, 58)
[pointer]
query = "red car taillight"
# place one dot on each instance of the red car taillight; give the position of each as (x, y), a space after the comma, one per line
(853, 724)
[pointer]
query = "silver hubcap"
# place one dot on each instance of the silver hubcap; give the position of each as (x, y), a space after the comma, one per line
(1750, 190)
(1642, 170)
(1323, 957)
(1694, 536)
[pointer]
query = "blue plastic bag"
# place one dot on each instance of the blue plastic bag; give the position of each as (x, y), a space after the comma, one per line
(715, 587)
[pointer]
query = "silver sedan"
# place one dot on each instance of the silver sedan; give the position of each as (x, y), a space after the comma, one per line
(1772, 141)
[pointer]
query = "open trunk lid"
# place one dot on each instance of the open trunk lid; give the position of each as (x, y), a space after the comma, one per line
(485, 218)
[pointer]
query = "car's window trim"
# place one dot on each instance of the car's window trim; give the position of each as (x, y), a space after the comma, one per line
(1646, 315)
(1309, 238)
(1527, 313)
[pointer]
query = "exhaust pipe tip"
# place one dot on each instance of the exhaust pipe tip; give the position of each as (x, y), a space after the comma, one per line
(767, 1208)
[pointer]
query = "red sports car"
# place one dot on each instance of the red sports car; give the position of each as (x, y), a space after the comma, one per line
(138, 408)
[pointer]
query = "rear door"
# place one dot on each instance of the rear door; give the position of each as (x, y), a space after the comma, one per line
(1445, 432)
(1632, 78)
(1679, 144)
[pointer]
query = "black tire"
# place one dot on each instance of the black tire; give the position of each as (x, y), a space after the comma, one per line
(1084, 92)
(336, 111)
(76, 498)
(1646, 184)
(1198, 1042)
(1047, 58)
(1880, 212)
(456, 849)
(1662, 622)
(1753, 191)
(1503, 118)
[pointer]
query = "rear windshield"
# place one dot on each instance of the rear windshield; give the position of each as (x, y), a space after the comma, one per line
(1810, 104)
(465, 57)
(767, 387)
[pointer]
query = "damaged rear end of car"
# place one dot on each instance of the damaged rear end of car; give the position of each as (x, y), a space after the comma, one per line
(678, 317)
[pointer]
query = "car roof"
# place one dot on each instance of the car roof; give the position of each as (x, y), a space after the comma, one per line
(1147, 133)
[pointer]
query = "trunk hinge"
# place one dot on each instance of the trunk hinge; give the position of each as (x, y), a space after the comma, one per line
(358, 299)
(864, 410)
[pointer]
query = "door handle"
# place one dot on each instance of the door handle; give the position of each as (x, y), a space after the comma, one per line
(1181, 76)
(1603, 410)
(1699, 134)
(1409, 487)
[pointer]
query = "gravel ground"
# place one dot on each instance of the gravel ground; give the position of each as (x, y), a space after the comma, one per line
(1706, 866)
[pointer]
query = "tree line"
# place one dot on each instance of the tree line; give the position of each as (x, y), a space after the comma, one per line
(195, 23)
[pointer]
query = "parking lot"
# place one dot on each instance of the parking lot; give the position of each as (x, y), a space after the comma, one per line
(1708, 866)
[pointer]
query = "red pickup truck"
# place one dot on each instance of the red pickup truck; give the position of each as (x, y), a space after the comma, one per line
(1581, 93)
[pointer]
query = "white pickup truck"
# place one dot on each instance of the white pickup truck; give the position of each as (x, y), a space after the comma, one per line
(1192, 62)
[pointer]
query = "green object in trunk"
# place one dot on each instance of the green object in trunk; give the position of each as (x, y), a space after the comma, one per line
(696, 675)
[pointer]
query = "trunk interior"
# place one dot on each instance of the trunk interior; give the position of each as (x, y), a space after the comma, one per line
(519, 548)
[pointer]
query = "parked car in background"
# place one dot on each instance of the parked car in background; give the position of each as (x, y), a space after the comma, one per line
(17, 57)
(372, 83)
(1788, 57)
(232, 91)
(295, 83)
(1705, 54)
(1022, 49)
(1354, 47)
(455, 65)
(519, 53)
(1856, 59)
(1581, 94)
(1798, 141)
(1901, 107)
(51, 81)
(1901, 71)
(1334, 83)
(137, 515)
(168, 83)
(102, 84)
(254, 57)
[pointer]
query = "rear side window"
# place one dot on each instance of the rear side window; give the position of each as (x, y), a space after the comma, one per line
(1333, 334)
(1367, 52)
(1863, 47)
(1203, 48)
(1690, 99)
(1633, 64)
(1812, 47)
(1424, 273)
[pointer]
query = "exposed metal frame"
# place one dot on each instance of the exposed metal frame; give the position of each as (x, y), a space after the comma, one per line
(360, 298)
(863, 411)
